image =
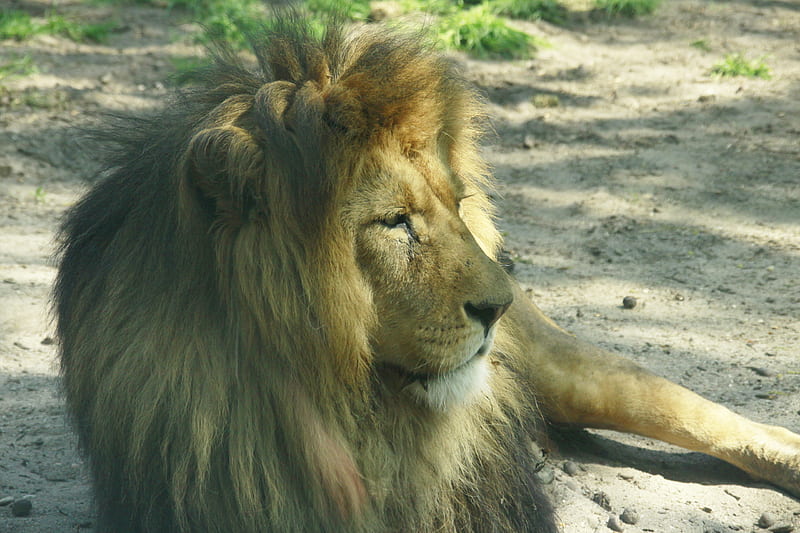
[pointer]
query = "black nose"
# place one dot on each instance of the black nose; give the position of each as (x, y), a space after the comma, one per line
(486, 312)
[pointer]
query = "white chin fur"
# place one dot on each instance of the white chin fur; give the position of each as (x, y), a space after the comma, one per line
(459, 387)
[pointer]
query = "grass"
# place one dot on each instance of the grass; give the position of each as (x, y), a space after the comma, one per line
(232, 20)
(738, 65)
(58, 25)
(481, 33)
(19, 25)
(627, 8)
(16, 25)
(39, 195)
(475, 29)
(17, 66)
(475, 26)
(549, 10)
(353, 10)
(701, 44)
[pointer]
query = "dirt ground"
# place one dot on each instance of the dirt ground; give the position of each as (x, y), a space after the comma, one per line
(624, 168)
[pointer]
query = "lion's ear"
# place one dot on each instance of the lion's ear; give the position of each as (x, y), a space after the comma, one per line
(345, 114)
(223, 163)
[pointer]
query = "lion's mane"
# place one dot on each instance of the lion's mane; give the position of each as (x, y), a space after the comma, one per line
(215, 329)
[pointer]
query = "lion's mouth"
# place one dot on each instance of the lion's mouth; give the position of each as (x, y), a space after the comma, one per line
(441, 390)
(425, 378)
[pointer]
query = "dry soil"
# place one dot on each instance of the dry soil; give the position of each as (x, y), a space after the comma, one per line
(624, 169)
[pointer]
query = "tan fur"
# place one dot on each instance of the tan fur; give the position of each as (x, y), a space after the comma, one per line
(274, 313)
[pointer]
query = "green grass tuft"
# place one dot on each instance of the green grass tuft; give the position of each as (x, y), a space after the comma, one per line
(17, 66)
(58, 25)
(19, 25)
(628, 8)
(353, 10)
(481, 33)
(16, 25)
(549, 10)
(738, 65)
(701, 44)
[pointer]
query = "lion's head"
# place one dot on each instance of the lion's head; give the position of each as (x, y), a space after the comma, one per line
(382, 157)
(284, 295)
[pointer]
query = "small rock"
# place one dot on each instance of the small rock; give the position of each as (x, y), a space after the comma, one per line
(613, 524)
(529, 141)
(570, 468)
(602, 499)
(47, 341)
(21, 507)
(545, 475)
(783, 528)
(8, 500)
(629, 516)
(545, 100)
(629, 302)
(106, 78)
(765, 372)
(766, 520)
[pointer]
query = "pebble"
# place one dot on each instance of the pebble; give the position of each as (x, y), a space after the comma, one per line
(613, 524)
(787, 528)
(570, 468)
(8, 500)
(629, 302)
(21, 507)
(766, 520)
(764, 372)
(545, 475)
(629, 516)
(529, 141)
(602, 499)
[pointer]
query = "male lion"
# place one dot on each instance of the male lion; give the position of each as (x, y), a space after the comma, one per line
(280, 310)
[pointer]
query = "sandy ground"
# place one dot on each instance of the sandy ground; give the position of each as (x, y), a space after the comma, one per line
(649, 178)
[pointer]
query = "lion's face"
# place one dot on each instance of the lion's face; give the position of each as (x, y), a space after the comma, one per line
(437, 295)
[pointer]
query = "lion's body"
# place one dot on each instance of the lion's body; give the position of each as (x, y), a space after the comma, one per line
(277, 312)
(218, 318)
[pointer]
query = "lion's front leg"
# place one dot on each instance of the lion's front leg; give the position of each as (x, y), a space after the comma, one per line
(580, 384)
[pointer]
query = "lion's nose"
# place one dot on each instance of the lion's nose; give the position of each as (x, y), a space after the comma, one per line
(487, 313)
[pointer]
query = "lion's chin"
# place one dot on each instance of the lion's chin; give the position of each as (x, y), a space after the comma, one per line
(458, 387)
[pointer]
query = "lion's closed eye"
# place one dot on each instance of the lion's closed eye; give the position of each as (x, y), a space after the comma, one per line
(402, 222)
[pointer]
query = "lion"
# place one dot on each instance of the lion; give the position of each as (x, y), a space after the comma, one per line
(280, 309)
